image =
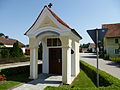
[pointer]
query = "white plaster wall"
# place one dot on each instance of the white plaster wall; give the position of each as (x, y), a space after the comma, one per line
(23, 49)
(73, 59)
(77, 63)
(8, 45)
(45, 65)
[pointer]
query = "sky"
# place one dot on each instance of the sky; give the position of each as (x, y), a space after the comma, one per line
(16, 16)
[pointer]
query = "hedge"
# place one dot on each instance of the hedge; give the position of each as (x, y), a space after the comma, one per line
(105, 78)
(115, 59)
(19, 70)
(107, 81)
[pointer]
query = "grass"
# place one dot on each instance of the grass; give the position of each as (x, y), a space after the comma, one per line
(86, 80)
(13, 81)
(82, 81)
(16, 76)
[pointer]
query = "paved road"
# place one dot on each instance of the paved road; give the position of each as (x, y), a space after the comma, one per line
(107, 66)
(2, 66)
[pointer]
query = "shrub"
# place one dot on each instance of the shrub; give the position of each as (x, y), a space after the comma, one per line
(5, 53)
(19, 70)
(106, 57)
(107, 81)
(16, 51)
(105, 78)
(2, 77)
(116, 59)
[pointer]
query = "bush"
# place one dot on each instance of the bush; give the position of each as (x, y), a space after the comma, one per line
(5, 52)
(19, 70)
(116, 59)
(105, 78)
(16, 51)
(107, 81)
(106, 57)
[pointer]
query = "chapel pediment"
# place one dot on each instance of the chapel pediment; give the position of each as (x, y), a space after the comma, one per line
(47, 22)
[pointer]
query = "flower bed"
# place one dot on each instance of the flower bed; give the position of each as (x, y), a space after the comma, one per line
(2, 77)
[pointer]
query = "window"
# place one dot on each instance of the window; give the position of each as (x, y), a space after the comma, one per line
(116, 51)
(53, 42)
(116, 41)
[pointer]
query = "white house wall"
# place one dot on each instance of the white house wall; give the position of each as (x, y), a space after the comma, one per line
(73, 59)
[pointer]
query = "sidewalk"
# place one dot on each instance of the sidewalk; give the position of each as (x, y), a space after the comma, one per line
(2, 66)
(43, 81)
(107, 66)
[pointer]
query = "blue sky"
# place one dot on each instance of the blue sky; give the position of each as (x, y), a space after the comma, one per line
(16, 16)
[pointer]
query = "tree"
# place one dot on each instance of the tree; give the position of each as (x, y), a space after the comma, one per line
(85, 45)
(5, 53)
(1, 44)
(16, 51)
(2, 35)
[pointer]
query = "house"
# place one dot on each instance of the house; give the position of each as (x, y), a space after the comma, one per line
(8, 42)
(60, 46)
(84, 50)
(112, 39)
(92, 47)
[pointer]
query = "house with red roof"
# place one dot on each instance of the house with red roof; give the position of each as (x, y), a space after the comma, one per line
(60, 46)
(112, 39)
(8, 42)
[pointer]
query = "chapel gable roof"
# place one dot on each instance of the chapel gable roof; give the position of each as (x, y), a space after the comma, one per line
(58, 19)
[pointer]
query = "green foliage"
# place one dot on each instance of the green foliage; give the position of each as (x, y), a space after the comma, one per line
(81, 79)
(16, 51)
(106, 57)
(5, 53)
(91, 72)
(1, 44)
(84, 45)
(18, 70)
(2, 35)
(107, 81)
(115, 59)
(105, 78)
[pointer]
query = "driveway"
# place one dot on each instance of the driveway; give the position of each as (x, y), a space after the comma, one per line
(107, 66)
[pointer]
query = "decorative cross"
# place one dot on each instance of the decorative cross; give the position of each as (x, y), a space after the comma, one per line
(50, 5)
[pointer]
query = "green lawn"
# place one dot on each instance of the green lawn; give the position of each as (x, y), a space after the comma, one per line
(82, 81)
(13, 81)
(16, 76)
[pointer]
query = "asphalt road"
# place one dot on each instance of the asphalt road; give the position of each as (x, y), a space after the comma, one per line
(105, 65)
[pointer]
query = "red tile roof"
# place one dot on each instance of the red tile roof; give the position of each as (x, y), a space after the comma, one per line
(58, 19)
(113, 30)
(9, 41)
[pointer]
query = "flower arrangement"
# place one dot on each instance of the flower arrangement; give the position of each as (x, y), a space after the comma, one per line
(2, 77)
